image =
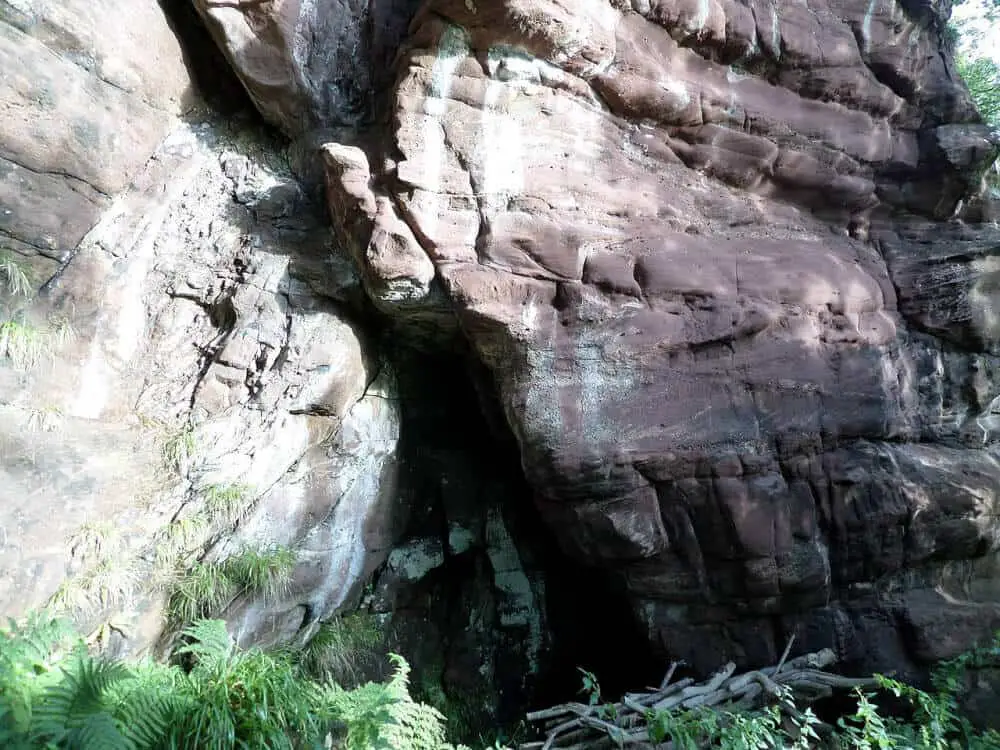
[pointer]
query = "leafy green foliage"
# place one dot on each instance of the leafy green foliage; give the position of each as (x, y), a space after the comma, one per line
(30, 653)
(214, 696)
(384, 717)
(591, 687)
(982, 76)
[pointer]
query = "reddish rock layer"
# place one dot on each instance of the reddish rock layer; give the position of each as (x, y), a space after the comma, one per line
(682, 237)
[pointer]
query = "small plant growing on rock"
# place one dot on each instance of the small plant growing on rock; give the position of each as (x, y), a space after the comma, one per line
(24, 344)
(94, 539)
(27, 345)
(226, 504)
(179, 449)
(13, 276)
(207, 587)
(44, 419)
(343, 648)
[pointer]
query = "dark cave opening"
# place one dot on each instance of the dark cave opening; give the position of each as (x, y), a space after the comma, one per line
(216, 85)
(460, 457)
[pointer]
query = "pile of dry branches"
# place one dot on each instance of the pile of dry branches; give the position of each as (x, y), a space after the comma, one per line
(578, 726)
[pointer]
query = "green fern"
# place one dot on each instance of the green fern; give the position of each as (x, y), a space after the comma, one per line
(30, 653)
(72, 713)
(385, 717)
(53, 695)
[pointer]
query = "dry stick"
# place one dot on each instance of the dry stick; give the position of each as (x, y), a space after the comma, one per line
(801, 675)
(788, 647)
(650, 698)
(556, 711)
(670, 674)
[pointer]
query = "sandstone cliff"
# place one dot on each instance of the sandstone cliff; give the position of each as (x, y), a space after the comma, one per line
(720, 273)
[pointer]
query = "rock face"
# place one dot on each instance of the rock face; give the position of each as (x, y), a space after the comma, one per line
(200, 323)
(695, 246)
(210, 377)
(311, 63)
(88, 92)
(722, 265)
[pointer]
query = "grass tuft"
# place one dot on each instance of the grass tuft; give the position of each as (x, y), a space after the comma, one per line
(27, 345)
(183, 536)
(226, 504)
(201, 591)
(207, 587)
(344, 649)
(44, 419)
(109, 582)
(13, 276)
(23, 344)
(179, 449)
(267, 572)
(94, 539)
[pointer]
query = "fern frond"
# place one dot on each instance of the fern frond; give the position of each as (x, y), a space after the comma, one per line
(72, 711)
(385, 716)
(147, 707)
(98, 731)
(208, 641)
(30, 653)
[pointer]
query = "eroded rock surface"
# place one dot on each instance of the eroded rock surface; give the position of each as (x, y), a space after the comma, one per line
(683, 238)
(206, 318)
(89, 90)
(311, 63)
(718, 262)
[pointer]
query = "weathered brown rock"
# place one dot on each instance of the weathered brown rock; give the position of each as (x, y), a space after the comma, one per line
(740, 409)
(309, 63)
(89, 89)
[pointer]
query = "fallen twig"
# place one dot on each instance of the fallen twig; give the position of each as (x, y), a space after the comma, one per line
(791, 682)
